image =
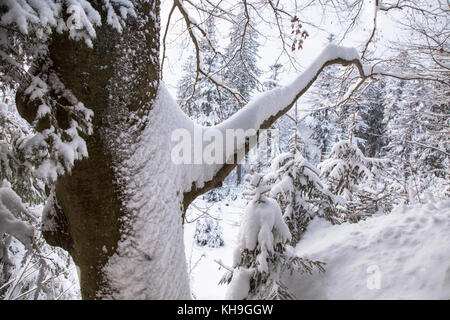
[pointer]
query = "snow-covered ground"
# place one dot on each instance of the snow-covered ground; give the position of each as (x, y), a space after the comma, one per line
(204, 272)
(403, 255)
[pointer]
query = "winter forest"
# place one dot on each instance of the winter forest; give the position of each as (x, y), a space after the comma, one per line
(224, 149)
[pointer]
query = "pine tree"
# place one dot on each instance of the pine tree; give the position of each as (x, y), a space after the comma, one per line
(371, 108)
(16, 136)
(322, 132)
(262, 256)
(242, 69)
(434, 162)
(347, 171)
(368, 200)
(325, 121)
(274, 139)
(298, 189)
(416, 147)
(272, 81)
(402, 129)
(30, 267)
(208, 232)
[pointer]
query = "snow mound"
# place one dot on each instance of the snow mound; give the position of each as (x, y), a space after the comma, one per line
(403, 255)
(240, 284)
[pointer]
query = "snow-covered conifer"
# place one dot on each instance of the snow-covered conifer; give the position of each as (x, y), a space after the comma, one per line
(324, 121)
(31, 269)
(298, 189)
(242, 71)
(200, 98)
(346, 171)
(208, 232)
(416, 147)
(262, 254)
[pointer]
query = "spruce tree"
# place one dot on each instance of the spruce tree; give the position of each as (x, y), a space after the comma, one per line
(417, 147)
(30, 267)
(347, 171)
(203, 100)
(298, 189)
(402, 128)
(274, 139)
(371, 108)
(242, 70)
(208, 232)
(262, 255)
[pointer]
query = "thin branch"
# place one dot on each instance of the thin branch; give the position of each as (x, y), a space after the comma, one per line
(164, 40)
(373, 29)
(199, 71)
(220, 263)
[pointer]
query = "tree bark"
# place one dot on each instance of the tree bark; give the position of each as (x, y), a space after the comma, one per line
(90, 198)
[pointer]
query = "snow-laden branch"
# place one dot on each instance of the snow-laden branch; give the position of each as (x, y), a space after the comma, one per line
(264, 110)
(80, 18)
(259, 114)
(261, 110)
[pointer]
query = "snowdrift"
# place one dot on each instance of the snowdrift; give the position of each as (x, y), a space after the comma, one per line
(403, 255)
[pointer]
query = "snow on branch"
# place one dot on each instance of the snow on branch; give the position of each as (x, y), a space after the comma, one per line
(269, 106)
(11, 207)
(80, 18)
(264, 110)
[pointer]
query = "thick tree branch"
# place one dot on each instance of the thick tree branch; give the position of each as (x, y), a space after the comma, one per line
(261, 113)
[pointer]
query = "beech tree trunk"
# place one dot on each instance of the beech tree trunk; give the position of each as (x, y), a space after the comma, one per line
(119, 75)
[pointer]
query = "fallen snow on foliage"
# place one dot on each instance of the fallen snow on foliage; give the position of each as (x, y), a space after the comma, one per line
(80, 18)
(11, 208)
(403, 255)
(263, 226)
(356, 255)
